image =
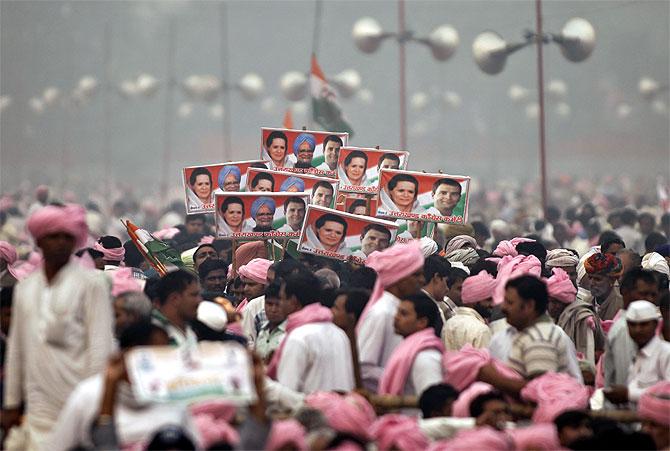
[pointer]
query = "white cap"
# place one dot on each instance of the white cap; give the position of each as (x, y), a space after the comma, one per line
(641, 311)
(212, 315)
(460, 265)
(428, 246)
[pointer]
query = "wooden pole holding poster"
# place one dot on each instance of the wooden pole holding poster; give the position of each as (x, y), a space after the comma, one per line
(234, 251)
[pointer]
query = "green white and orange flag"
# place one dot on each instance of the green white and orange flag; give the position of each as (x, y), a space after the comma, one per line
(325, 108)
(158, 254)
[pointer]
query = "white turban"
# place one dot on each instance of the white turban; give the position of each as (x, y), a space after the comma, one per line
(560, 258)
(656, 262)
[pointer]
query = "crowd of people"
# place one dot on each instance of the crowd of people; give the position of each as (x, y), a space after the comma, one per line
(509, 332)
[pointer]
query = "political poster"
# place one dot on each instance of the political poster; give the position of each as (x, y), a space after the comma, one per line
(358, 167)
(357, 203)
(344, 236)
(201, 183)
(302, 151)
(322, 190)
(424, 197)
(260, 215)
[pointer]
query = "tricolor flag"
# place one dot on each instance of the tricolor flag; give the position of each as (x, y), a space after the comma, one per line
(158, 254)
(325, 109)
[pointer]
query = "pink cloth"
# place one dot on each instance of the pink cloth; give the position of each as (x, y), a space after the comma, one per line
(461, 407)
(220, 410)
(554, 394)
(481, 438)
(349, 414)
(478, 288)
(312, 313)
(114, 254)
(512, 267)
(506, 248)
(247, 252)
(461, 368)
(7, 252)
(256, 270)
(240, 307)
(537, 437)
(654, 404)
(70, 219)
(395, 431)
(392, 265)
(207, 239)
(212, 431)
(286, 434)
(123, 281)
(560, 287)
(400, 363)
(460, 242)
(22, 269)
(166, 234)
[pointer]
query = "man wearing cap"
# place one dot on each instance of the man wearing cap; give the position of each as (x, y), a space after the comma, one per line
(602, 271)
(61, 329)
(303, 149)
(565, 259)
(651, 363)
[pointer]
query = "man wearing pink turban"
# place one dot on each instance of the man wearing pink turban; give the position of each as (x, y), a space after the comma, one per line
(7, 258)
(61, 329)
(469, 325)
(112, 251)
(654, 410)
(254, 277)
(399, 274)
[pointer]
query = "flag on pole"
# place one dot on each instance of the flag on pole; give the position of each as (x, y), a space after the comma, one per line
(288, 119)
(325, 108)
(158, 254)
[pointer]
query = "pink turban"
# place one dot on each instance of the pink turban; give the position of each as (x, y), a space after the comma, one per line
(554, 394)
(462, 367)
(70, 219)
(505, 247)
(460, 242)
(392, 265)
(349, 414)
(7, 252)
(511, 267)
(123, 281)
(114, 254)
(286, 434)
(654, 404)
(166, 234)
(212, 431)
(256, 270)
(221, 410)
(484, 437)
(560, 287)
(537, 437)
(461, 407)
(478, 288)
(395, 431)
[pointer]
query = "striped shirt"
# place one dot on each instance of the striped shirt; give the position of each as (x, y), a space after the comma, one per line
(538, 349)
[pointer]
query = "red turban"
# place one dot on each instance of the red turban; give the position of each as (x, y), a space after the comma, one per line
(603, 264)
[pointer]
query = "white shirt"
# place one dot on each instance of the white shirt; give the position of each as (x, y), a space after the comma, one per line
(426, 371)
(377, 340)
(620, 351)
(60, 334)
(651, 365)
(316, 357)
(467, 326)
(135, 423)
(251, 310)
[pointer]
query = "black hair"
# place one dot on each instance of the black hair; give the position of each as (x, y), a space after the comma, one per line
(6, 297)
(357, 203)
(388, 156)
(357, 299)
(137, 333)
(211, 264)
(294, 199)
(607, 238)
(363, 277)
(664, 300)
(378, 227)
(447, 181)
(455, 274)
(231, 200)
(481, 229)
(274, 135)
(630, 278)
(322, 184)
(329, 138)
(356, 154)
(426, 308)
(151, 288)
(433, 399)
(404, 178)
(92, 252)
(263, 176)
(133, 257)
(170, 437)
(197, 217)
(434, 264)
(304, 286)
(174, 282)
(572, 418)
(272, 290)
(531, 288)
(286, 266)
(334, 218)
(653, 240)
(628, 216)
(110, 242)
(553, 213)
(477, 405)
(533, 248)
(199, 171)
(482, 264)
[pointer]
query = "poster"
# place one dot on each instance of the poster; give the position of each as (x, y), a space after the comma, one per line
(357, 203)
(260, 215)
(358, 168)
(302, 151)
(344, 236)
(412, 230)
(322, 190)
(425, 197)
(213, 369)
(201, 183)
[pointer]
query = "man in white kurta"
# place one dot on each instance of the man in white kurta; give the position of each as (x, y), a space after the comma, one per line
(62, 325)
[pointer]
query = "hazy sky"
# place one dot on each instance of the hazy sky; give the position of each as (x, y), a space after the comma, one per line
(55, 43)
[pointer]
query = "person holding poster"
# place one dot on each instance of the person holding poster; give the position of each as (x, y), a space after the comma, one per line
(293, 185)
(375, 237)
(200, 193)
(331, 150)
(294, 210)
(232, 217)
(303, 149)
(263, 182)
(322, 194)
(328, 234)
(263, 211)
(353, 172)
(401, 194)
(229, 179)
(446, 195)
(275, 149)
